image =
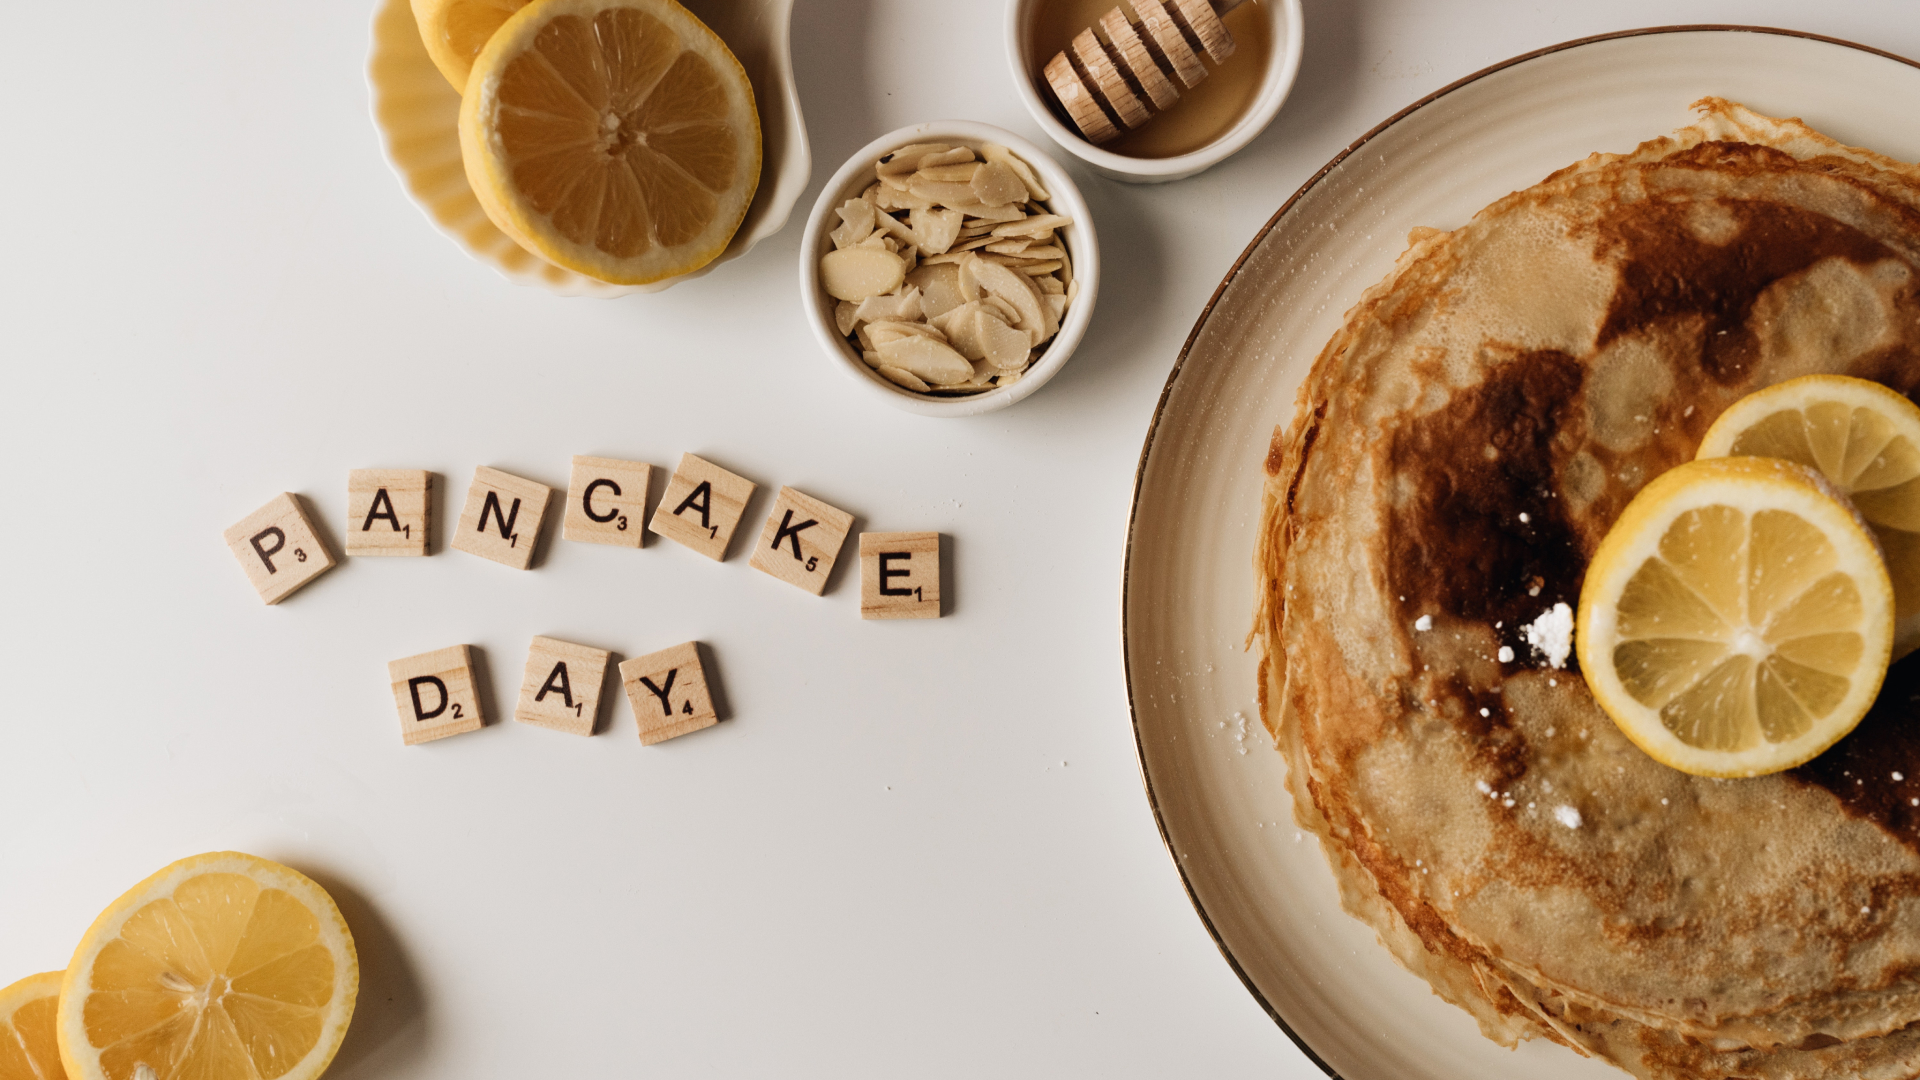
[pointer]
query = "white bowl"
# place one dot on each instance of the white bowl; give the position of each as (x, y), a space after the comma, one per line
(418, 115)
(1282, 65)
(1077, 238)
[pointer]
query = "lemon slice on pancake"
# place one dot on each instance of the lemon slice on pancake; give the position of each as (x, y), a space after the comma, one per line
(1737, 619)
(1863, 437)
(28, 1048)
(219, 967)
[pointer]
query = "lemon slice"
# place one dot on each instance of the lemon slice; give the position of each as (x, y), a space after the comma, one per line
(220, 967)
(1737, 619)
(455, 31)
(616, 138)
(28, 1049)
(1863, 437)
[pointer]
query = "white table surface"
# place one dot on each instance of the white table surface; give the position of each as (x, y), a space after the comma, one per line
(915, 849)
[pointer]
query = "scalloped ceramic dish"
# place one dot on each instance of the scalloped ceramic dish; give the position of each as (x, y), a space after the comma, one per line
(418, 117)
(1217, 787)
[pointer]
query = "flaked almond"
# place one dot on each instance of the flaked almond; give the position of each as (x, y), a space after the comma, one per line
(890, 329)
(856, 273)
(904, 378)
(939, 288)
(932, 360)
(962, 327)
(903, 305)
(950, 157)
(907, 158)
(937, 229)
(1013, 288)
(962, 173)
(994, 184)
(856, 223)
(1032, 226)
(1006, 347)
(1000, 155)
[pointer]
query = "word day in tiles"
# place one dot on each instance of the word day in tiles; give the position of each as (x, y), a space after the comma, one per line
(389, 513)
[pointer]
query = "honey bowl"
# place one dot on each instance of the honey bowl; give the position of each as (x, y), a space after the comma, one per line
(1213, 121)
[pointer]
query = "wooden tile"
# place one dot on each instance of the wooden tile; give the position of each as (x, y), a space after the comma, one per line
(388, 511)
(501, 520)
(278, 549)
(607, 502)
(900, 575)
(561, 688)
(802, 538)
(436, 694)
(702, 506)
(668, 692)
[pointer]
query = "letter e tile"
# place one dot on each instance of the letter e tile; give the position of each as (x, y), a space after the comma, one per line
(435, 694)
(668, 692)
(900, 575)
(802, 538)
(702, 506)
(501, 520)
(561, 689)
(278, 549)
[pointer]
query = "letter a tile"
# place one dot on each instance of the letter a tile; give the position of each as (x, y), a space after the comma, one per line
(607, 502)
(561, 689)
(435, 694)
(387, 511)
(702, 506)
(802, 538)
(277, 547)
(501, 520)
(668, 692)
(900, 575)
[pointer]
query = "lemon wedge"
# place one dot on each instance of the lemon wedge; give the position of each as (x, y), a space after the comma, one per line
(219, 967)
(454, 31)
(616, 138)
(1737, 620)
(1863, 437)
(28, 1048)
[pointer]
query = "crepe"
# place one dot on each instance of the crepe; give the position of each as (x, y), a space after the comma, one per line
(1459, 449)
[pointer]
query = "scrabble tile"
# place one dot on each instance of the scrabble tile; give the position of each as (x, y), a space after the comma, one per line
(561, 688)
(607, 502)
(668, 692)
(388, 510)
(501, 520)
(702, 506)
(436, 694)
(278, 549)
(802, 538)
(900, 575)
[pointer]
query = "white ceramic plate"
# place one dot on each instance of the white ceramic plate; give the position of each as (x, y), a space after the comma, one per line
(1265, 892)
(418, 115)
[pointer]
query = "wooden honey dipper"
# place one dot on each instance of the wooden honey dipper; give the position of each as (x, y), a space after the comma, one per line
(1126, 80)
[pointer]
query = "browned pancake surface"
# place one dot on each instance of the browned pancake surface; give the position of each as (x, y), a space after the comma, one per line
(1460, 448)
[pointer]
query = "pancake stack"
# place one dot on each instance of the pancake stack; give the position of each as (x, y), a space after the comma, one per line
(1460, 448)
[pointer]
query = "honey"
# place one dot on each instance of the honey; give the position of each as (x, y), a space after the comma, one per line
(1203, 113)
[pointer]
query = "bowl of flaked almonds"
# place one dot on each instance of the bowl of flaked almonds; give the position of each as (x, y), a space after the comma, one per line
(950, 267)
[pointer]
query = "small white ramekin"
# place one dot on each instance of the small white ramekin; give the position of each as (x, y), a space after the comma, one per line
(1077, 238)
(1282, 66)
